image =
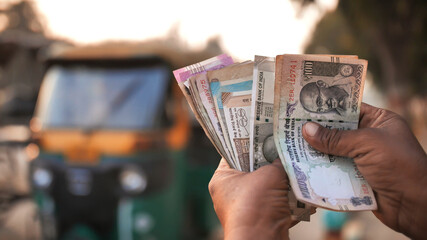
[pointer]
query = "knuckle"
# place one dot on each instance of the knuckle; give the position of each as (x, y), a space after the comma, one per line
(211, 187)
(386, 116)
(365, 140)
(383, 113)
(380, 112)
(331, 139)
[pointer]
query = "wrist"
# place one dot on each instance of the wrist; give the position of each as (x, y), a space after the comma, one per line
(414, 208)
(263, 227)
(274, 231)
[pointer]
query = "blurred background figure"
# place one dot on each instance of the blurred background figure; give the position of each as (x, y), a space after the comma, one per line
(110, 151)
(391, 36)
(22, 39)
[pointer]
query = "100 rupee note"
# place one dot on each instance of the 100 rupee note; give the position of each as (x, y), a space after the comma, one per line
(327, 90)
(262, 148)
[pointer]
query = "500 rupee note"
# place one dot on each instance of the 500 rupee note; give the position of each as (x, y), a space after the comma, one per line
(262, 148)
(237, 110)
(233, 79)
(182, 75)
(204, 98)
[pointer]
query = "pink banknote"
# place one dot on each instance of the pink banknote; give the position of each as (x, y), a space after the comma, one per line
(214, 63)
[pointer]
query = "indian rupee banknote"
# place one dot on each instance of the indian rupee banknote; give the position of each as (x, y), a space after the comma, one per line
(203, 98)
(182, 76)
(213, 63)
(206, 121)
(327, 90)
(237, 110)
(262, 148)
(233, 79)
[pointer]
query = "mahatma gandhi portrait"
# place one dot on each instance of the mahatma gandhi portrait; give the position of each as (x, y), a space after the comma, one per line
(320, 97)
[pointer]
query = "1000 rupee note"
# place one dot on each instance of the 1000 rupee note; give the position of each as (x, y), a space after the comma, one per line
(328, 90)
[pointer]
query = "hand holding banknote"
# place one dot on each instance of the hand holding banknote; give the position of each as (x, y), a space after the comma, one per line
(391, 160)
(252, 205)
(386, 153)
(254, 112)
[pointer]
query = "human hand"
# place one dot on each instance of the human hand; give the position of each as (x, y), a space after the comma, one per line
(391, 160)
(252, 205)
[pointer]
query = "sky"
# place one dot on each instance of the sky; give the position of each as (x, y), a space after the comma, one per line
(245, 28)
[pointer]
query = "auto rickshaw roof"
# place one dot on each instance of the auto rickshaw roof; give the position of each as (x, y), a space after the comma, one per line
(129, 53)
(110, 62)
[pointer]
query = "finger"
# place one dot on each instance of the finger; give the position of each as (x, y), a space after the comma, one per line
(219, 173)
(332, 141)
(277, 163)
(368, 114)
(366, 109)
(293, 223)
(223, 165)
(224, 169)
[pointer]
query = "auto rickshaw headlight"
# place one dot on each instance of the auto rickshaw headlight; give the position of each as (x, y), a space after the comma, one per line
(133, 180)
(42, 177)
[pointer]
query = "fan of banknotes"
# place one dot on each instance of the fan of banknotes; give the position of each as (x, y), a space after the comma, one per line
(253, 113)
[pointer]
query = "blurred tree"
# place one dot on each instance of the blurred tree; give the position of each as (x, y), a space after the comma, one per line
(391, 35)
(22, 16)
(22, 39)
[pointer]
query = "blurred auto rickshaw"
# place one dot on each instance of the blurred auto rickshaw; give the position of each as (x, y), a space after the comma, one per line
(115, 160)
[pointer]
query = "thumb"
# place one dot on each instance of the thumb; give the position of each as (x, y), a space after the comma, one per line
(331, 141)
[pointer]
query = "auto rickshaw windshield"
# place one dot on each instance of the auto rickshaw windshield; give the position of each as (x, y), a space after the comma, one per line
(95, 98)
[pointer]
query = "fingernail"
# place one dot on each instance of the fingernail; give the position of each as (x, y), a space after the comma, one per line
(311, 129)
